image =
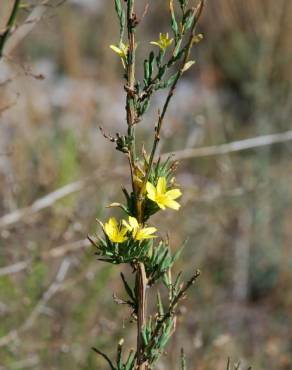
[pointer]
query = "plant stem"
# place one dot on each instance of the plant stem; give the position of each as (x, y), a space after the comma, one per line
(197, 14)
(130, 88)
(141, 283)
(10, 23)
(172, 307)
(141, 279)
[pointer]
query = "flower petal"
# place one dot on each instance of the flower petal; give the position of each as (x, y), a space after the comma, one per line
(160, 204)
(149, 230)
(173, 194)
(127, 226)
(111, 227)
(117, 50)
(145, 233)
(133, 222)
(151, 191)
(161, 185)
(124, 231)
(113, 222)
(172, 204)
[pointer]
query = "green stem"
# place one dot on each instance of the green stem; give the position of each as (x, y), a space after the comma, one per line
(130, 88)
(171, 309)
(10, 24)
(197, 14)
(141, 279)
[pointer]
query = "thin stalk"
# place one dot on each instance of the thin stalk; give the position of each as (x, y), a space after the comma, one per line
(141, 283)
(10, 23)
(171, 309)
(130, 88)
(197, 14)
(141, 280)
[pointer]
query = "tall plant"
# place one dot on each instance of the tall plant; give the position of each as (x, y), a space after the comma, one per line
(130, 240)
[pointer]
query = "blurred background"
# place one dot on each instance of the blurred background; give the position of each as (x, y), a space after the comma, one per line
(57, 174)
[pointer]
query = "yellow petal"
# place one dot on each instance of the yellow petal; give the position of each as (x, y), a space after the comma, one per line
(149, 230)
(145, 233)
(133, 222)
(117, 50)
(173, 194)
(172, 204)
(119, 239)
(160, 204)
(127, 226)
(155, 43)
(151, 191)
(161, 185)
(124, 231)
(108, 230)
(111, 227)
(113, 222)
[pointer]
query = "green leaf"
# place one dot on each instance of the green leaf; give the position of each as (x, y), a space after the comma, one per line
(169, 82)
(146, 71)
(161, 72)
(177, 282)
(174, 25)
(128, 288)
(178, 253)
(188, 19)
(130, 361)
(165, 280)
(144, 337)
(143, 107)
(118, 7)
(159, 58)
(151, 63)
(122, 17)
(160, 305)
(183, 4)
(119, 355)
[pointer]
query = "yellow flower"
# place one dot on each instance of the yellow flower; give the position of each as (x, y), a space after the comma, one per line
(163, 197)
(114, 230)
(164, 41)
(139, 232)
(122, 51)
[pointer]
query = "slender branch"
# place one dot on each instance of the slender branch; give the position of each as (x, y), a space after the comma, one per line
(107, 359)
(197, 14)
(130, 88)
(141, 283)
(20, 33)
(171, 309)
(141, 280)
(9, 26)
(131, 16)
